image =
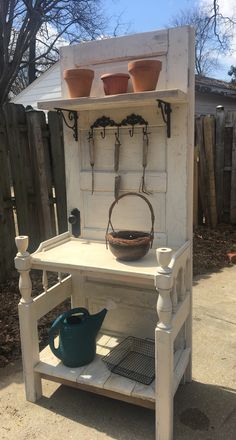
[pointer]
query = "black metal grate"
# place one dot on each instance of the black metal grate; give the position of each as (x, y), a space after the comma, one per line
(133, 358)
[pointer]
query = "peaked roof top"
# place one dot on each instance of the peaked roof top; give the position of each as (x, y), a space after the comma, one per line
(204, 84)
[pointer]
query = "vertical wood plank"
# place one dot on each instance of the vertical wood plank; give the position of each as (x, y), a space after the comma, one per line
(41, 164)
(15, 120)
(209, 130)
(7, 228)
(195, 187)
(58, 168)
(219, 159)
(21, 172)
(233, 173)
(203, 190)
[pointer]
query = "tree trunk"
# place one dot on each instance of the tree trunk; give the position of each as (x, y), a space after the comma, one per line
(32, 55)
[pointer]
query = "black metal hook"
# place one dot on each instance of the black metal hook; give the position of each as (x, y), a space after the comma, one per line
(166, 114)
(103, 133)
(131, 131)
(117, 134)
(145, 133)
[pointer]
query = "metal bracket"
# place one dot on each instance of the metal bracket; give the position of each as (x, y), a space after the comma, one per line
(166, 114)
(73, 117)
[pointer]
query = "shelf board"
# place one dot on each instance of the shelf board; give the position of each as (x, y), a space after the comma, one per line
(174, 96)
(95, 377)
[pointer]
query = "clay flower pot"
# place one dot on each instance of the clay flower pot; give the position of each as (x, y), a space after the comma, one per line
(144, 74)
(115, 83)
(79, 82)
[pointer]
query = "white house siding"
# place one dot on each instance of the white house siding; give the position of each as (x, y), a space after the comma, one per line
(206, 103)
(47, 86)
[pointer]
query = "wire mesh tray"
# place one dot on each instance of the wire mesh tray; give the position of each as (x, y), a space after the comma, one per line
(133, 358)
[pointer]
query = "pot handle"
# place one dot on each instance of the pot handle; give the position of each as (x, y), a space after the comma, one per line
(121, 197)
(58, 324)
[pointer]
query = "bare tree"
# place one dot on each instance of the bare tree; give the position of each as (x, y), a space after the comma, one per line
(213, 36)
(232, 73)
(20, 25)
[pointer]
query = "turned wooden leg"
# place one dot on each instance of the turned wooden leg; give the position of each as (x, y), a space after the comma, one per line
(164, 350)
(28, 323)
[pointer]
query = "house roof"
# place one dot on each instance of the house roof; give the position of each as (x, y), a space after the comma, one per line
(205, 84)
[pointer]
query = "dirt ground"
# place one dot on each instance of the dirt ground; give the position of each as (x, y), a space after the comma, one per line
(210, 248)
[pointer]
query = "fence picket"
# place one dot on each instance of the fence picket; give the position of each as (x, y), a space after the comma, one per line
(233, 174)
(209, 142)
(58, 168)
(7, 228)
(219, 160)
(41, 164)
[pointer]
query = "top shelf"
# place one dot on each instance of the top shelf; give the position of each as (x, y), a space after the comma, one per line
(174, 96)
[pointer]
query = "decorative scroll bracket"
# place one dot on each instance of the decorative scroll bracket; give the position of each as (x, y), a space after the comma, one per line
(73, 117)
(166, 114)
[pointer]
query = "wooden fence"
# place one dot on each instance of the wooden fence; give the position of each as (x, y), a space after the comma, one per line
(32, 179)
(215, 169)
(32, 176)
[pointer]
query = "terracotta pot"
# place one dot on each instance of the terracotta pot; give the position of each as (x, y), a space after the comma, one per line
(144, 74)
(79, 82)
(115, 83)
(232, 257)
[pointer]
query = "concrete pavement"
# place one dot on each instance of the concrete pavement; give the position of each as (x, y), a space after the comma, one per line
(204, 409)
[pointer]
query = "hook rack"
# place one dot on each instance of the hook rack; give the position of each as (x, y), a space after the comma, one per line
(73, 117)
(105, 122)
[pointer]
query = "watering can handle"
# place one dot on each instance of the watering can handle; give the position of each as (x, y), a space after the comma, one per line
(57, 324)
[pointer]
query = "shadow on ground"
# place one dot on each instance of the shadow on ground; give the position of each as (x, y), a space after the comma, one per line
(201, 412)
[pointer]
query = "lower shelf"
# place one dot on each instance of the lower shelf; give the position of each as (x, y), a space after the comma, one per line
(96, 377)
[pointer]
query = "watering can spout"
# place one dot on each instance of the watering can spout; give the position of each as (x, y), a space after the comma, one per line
(97, 320)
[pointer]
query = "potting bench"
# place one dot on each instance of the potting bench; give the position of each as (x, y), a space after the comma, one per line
(152, 296)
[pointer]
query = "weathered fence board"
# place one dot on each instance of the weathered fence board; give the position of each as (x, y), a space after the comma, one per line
(219, 159)
(203, 186)
(19, 157)
(233, 175)
(36, 159)
(209, 142)
(42, 177)
(7, 228)
(58, 167)
(216, 139)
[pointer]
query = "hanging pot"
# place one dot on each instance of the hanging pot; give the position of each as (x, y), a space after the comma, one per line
(144, 74)
(129, 245)
(115, 83)
(79, 82)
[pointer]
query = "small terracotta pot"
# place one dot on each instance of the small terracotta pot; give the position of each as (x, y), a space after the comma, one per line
(79, 82)
(115, 83)
(232, 257)
(144, 74)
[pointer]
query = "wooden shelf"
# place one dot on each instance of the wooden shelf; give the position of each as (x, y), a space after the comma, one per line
(174, 96)
(64, 253)
(95, 377)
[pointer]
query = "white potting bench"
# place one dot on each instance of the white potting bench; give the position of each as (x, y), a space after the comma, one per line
(152, 295)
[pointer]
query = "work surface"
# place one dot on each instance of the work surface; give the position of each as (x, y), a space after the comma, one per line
(204, 409)
(85, 255)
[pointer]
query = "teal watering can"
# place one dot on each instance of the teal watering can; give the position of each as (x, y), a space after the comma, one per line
(77, 331)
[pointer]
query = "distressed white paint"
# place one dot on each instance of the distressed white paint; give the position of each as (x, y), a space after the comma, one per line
(95, 274)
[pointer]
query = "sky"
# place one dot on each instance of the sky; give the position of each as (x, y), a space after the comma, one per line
(147, 15)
